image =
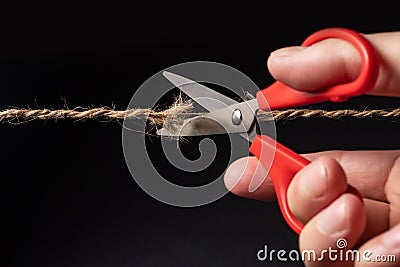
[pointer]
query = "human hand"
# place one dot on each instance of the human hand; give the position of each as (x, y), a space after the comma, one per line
(328, 213)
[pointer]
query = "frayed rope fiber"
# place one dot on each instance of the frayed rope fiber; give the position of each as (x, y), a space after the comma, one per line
(176, 114)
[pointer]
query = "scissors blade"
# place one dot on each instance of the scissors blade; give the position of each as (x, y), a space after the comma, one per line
(221, 107)
(220, 122)
(200, 93)
(247, 110)
(200, 125)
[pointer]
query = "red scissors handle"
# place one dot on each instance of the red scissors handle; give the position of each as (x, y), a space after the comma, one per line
(286, 163)
(279, 95)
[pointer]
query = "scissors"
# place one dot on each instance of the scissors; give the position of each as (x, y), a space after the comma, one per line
(240, 117)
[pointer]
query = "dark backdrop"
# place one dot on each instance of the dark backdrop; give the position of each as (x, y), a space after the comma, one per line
(69, 199)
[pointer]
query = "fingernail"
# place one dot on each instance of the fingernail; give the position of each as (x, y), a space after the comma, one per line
(234, 174)
(286, 51)
(334, 219)
(314, 183)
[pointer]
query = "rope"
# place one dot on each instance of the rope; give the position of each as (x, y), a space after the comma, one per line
(176, 114)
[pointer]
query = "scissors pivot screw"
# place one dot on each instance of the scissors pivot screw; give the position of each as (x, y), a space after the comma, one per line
(284, 163)
(236, 117)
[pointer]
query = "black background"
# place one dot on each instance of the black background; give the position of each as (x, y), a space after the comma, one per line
(69, 199)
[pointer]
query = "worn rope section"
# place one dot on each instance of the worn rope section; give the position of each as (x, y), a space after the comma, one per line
(176, 113)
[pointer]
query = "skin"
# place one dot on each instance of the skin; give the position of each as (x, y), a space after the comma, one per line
(328, 213)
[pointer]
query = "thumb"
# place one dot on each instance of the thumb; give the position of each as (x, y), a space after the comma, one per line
(323, 64)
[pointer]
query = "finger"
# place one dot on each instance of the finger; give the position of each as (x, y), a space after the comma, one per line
(381, 251)
(368, 171)
(392, 190)
(377, 212)
(316, 186)
(334, 61)
(377, 219)
(239, 175)
(318, 66)
(343, 220)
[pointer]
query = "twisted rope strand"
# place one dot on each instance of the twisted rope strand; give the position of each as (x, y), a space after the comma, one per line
(177, 113)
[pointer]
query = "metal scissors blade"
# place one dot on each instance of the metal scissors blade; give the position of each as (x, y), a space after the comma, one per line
(226, 115)
(199, 93)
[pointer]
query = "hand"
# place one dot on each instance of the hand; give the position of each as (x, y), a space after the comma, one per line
(328, 213)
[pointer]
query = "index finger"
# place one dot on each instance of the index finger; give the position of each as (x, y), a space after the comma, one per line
(333, 61)
(368, 171)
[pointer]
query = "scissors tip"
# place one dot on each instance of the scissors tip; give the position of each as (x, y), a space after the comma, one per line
(170, 75)
(166, 73)
(165, 132)
(162, 131)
